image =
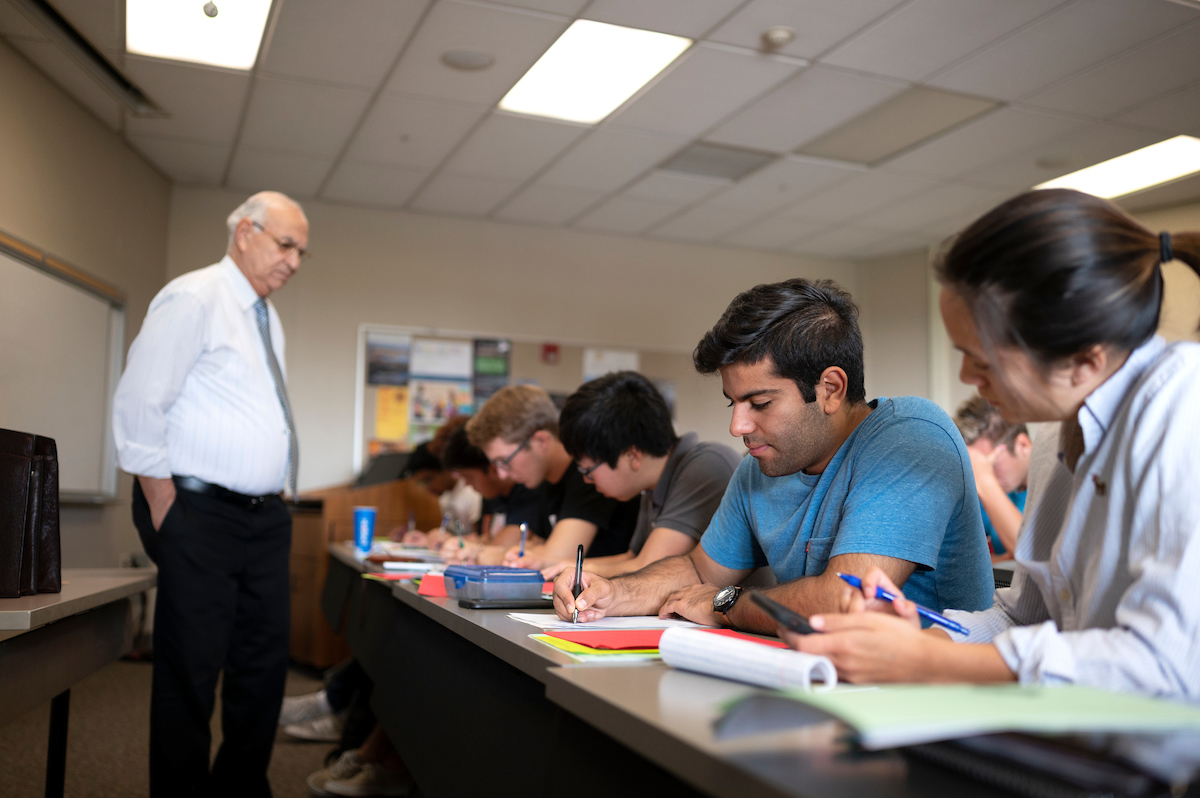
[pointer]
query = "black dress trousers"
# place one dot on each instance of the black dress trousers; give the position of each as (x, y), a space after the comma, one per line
(222, 606)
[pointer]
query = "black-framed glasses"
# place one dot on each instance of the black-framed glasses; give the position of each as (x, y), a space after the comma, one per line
(506, 462)
(286, 245)
(587, 472)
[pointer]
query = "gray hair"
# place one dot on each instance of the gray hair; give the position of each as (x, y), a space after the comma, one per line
(255, 209)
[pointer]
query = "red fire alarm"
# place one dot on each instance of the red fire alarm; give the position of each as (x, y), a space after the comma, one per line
(550, 354)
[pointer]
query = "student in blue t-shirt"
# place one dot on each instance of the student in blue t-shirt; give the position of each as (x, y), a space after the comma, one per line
(1000, 454)
(833, 483)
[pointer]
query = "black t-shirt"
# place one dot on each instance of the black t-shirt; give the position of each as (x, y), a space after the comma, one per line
(522, 505)
(615, 521)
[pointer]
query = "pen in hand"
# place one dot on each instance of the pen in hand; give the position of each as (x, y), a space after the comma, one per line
(924, 612)
(524, 532)
(578, 588)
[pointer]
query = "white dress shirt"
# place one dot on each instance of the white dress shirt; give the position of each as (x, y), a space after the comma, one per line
(197, 397)
(1107, 587)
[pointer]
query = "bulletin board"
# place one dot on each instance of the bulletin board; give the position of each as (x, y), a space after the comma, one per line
(410, 381)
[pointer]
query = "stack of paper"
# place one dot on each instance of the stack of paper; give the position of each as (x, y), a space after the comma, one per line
(733, 657)
(547, 620)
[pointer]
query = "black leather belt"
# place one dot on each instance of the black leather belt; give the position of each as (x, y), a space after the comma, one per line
(193, 485)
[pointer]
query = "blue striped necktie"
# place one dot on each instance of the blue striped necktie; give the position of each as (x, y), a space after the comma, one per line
(264, 329)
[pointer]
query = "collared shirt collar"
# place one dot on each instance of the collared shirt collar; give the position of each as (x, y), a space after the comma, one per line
(1102, 404)
(682, 446)
(245, 293)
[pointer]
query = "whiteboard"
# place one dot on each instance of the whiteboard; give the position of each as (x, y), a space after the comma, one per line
(61, 347)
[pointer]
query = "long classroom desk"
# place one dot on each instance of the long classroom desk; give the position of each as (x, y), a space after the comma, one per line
(50, 641)
(475, 706)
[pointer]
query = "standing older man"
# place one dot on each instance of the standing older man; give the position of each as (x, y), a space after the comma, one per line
(201, 416)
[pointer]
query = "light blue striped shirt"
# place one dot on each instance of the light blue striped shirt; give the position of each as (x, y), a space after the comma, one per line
(1107, 587)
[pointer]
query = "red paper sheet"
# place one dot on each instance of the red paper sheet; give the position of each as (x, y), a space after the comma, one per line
(547, 587)
(612, 639)
(766, 641)
(434, 587)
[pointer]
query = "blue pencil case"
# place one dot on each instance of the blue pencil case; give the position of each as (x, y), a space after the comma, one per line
(489, 582)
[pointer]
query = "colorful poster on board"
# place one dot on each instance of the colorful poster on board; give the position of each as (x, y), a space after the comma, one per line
(434, 402)
(492, 360)
(388, 358)
(391, 413)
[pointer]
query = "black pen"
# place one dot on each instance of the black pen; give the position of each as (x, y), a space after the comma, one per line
(575, 591)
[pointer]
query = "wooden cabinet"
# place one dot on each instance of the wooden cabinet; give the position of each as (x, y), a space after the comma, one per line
(312, 639)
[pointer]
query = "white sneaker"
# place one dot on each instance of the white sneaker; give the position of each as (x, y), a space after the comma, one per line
(344, 767)
(373, 779)
(300, 708)
(323, 729)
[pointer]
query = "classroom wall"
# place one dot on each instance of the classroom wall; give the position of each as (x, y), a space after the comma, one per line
(386, 267)
(72, 187)
(893, 311)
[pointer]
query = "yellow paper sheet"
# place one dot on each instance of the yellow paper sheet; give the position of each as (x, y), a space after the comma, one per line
(391, 413)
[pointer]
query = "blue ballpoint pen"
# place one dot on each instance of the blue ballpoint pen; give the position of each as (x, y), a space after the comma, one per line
(524, 531)
(924, 612)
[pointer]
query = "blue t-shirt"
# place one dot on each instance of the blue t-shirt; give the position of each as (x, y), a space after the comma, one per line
(900, 486)
(1017, 497)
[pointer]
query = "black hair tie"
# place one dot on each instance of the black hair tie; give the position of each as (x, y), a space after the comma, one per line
(1165, 254)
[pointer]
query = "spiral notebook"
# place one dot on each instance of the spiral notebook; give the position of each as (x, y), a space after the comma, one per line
(745, 661)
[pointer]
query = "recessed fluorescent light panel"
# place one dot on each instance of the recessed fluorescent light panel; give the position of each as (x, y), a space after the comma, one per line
(182, 30)
(1159, 163)
(591, 70)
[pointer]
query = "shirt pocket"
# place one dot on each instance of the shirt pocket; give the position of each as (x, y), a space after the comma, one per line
(816, 555)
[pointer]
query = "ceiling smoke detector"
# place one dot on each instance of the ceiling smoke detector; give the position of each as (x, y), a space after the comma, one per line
(210, 9)
(467, 60)
(777, 36)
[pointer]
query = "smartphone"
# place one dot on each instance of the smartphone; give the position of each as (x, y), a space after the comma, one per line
(792, 621)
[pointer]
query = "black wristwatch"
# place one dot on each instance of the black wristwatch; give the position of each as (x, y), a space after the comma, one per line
(725, 599)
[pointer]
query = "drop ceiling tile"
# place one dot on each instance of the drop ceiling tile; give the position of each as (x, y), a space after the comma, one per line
(690, 18)
(674, 188)
(1152, 70)
(548, 205)
(1077, 150)
(462, 195)
(926, 35)
(1059, 45)
(188, 163)
(858, 195)
(840, 242)
(567, 8)
(609, 158)
(73, 80)
(98, 21)
(15, 23)
(626, 214)
(301, 118)
(204, 104)
(352, 42)
(514, 38)
(1002, 132)
(297, 176)
(705, 85)
(373, 184)
(810, 104)
(916, 212)
(784, 182)
(411, 131)
(1175, 113)
(705, 223)
(819, 25)
(776, 232)
(507, 147)
(892, 245)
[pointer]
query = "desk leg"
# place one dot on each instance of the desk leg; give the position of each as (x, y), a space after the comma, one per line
(56, 756)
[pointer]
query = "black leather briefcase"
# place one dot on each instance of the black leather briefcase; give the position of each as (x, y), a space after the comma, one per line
(30, 547)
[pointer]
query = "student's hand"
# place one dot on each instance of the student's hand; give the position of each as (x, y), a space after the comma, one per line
(435, 538)
(858, 601)
(490, 555)
(869, 647)
(531, 559)
(552, 570)
(984, 468)
(414, 538)
(695, 603)
(594, 601)
(467, 553)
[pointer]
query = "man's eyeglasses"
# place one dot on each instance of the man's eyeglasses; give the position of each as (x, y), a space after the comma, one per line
(587, 472)
(505, 464)
(286, 245)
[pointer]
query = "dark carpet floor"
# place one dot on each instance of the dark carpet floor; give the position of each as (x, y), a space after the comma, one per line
(108, 741)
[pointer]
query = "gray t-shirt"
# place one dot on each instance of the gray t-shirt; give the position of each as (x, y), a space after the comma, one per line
(688, 492)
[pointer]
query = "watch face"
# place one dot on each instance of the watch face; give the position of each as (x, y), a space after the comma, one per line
(725, 598)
